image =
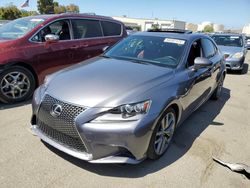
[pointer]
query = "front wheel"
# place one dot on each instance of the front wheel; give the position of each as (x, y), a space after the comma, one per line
(162, 135)
(16, 84)
(217, 92)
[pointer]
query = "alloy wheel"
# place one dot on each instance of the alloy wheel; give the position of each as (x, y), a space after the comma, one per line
(220, 85)
(165, 133)
(15, 85)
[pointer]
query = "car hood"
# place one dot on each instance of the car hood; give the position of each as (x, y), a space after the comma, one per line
(102, 82)
(4, 40)
(230, 49)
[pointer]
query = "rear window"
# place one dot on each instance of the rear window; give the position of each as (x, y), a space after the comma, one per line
(86, 29)
(111, 28)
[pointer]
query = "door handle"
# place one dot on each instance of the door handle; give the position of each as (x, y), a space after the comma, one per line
(74, 47)
(85, 45)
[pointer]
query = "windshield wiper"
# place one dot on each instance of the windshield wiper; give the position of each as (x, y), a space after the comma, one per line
(137, 60)
(105, 56)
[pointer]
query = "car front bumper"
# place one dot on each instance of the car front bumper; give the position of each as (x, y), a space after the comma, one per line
(80, 155)
(235, 64)
(105, 141)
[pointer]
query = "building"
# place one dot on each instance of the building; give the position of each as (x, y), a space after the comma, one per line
(202, 26)
(216, 27)
(141, 24)
(246, 29)
(192, 27)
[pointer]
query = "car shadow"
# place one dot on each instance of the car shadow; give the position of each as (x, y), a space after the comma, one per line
(185, 135)
(4, 106)
(244, 70)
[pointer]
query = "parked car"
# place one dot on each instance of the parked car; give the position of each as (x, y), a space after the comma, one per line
(2, 22)
(248, 42)
(126, 104)
(233, 46)
(130, 30)
(33, 47)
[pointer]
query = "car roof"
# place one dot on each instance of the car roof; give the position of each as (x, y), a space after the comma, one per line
(227, 34)
(183, 36)
(76, 15)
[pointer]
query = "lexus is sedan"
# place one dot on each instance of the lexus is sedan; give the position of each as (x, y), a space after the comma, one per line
(234, 48)
(125, 105)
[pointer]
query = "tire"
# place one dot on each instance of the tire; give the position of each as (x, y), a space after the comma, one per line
(217, 92)
(158, 136)
(16, 84)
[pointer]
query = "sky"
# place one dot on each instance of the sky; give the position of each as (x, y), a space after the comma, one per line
(233, 14)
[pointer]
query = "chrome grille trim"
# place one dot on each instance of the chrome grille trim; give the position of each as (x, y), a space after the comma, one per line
(62, 129)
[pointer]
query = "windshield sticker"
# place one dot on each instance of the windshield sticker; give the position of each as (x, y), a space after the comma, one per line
(36, 20)
(175, 41)
(234, 37)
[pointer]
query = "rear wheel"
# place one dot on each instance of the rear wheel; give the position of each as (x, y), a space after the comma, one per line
(162, 135)
(16, 84)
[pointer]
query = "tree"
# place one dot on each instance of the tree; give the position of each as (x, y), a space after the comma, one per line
(62, 9)
(59, 9)
(155, 27)
(45, 6)
(72, 8)
(208, 29)
(10, 12)
(26, 13)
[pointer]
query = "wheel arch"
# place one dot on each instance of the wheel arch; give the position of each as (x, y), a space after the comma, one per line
(175, 104)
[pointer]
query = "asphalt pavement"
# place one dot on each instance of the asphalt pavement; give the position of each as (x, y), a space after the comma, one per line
(218, 128)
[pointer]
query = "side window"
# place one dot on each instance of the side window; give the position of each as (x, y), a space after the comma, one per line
(60, 28)
(208, 48)
(111, 29)
(86, 28)
(195, 51)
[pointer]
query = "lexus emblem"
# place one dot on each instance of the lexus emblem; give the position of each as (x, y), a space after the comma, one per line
(56, 110)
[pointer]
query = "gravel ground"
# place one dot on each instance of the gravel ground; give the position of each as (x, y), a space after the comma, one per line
(219, 128)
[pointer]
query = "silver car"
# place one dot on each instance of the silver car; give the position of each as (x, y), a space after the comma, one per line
(234, 48)
(124, 106)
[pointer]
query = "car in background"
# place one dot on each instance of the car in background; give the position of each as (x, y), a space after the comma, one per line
(2, 22)
(248, 42)
(130, 30)
(233, 47)
(35, 46)
(125, 105)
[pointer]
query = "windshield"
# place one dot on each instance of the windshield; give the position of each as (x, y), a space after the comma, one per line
(19, 27)
(227, 40)
(149, 49)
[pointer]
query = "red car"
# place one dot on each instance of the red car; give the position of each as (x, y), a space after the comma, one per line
(32, 47)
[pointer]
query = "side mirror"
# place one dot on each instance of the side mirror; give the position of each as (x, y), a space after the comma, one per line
(201, 62)
(51, 38)
(105, 48)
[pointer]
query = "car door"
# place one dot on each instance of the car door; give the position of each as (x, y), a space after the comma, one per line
(197, 82)
(53, 56)
(211, 52)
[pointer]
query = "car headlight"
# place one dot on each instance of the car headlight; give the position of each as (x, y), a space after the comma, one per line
(130, 110)
(237, 55)
(39, 94)
(47, 80)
